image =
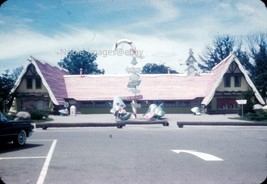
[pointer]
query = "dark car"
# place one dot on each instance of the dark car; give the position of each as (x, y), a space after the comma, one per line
(15, 131)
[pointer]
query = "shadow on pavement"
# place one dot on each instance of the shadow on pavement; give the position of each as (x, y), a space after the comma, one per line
(8, 147)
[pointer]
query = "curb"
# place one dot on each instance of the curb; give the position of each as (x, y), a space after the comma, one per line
(118, 124)
(44, 126)
(181, 124)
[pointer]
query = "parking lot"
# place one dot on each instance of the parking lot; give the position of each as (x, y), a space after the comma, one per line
(35, 154)
(138, 154)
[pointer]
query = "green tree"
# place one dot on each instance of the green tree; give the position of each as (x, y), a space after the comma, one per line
(258, 49)
(2, 1)
(74, 61)
(221, 47)
(244, 58)
(251, 100)
(16, 72)
(153, 68)
(6, 84)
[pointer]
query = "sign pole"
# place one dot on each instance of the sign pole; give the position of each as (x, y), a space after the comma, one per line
(241, 102)
(242, 110)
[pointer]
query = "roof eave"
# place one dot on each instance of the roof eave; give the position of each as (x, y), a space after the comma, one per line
(51, 94)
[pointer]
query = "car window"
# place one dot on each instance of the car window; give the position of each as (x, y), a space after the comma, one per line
(2, 117)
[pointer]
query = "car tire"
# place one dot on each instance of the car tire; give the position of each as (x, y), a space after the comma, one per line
(21, 138)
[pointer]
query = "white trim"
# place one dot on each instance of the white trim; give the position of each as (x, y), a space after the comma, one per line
(210, 95)
(257, 94)
(224, 60)
(17, 83)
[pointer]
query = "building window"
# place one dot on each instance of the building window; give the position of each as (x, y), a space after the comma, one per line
(145, 103)
(29, 83)
(170, 103)
(183, 103)
(38, 83)
(101, 104)
(237, 81)
(87, 104)
(227, 81)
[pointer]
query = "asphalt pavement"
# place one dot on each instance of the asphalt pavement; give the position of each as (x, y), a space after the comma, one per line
(138, 154)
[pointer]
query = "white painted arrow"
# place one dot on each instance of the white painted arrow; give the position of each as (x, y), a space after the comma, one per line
(204, 156)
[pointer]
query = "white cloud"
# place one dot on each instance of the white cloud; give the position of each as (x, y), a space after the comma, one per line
(162, 12)
(253, 16)
(160, 44)
(167, 11)
(246, 9)
(24, 43)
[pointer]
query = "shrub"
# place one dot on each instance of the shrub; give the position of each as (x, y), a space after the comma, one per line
(38, 114)
(250, 97)
(260, 116)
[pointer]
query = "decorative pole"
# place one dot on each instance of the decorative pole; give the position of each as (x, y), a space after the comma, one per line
(134, 79)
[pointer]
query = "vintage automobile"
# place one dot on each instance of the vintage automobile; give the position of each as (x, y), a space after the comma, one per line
(15, 131)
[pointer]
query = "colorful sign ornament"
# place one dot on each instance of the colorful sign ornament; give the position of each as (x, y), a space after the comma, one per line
(134, 79)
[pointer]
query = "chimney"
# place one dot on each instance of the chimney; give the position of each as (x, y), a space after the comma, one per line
(81, 72)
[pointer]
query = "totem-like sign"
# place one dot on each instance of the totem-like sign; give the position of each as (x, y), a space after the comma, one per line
(134, 78)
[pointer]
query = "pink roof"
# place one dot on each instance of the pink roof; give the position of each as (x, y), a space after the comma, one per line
(216, 78)
(52, 79)
(153, 87)
(53, 76)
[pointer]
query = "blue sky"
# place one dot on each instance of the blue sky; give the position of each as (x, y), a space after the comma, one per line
(162, 31)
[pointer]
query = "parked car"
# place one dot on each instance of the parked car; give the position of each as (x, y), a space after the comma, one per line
(15, 131)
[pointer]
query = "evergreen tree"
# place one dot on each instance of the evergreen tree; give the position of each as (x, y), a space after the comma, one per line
(221, 47)
(6, 84)
(16, 72)
(74, 61)
(243, 57)
(153, 68)
(258, 49)
(251, 100)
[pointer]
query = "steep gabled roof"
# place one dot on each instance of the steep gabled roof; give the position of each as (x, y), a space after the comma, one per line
(52, 79)
(217, 74)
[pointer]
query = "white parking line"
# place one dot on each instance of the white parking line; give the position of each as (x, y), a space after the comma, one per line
(15, 158)
(46, 164)
(33, 157)
(203, 156)
(40, 140)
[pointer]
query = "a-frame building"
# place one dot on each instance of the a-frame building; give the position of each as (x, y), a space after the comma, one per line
(46, 87)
